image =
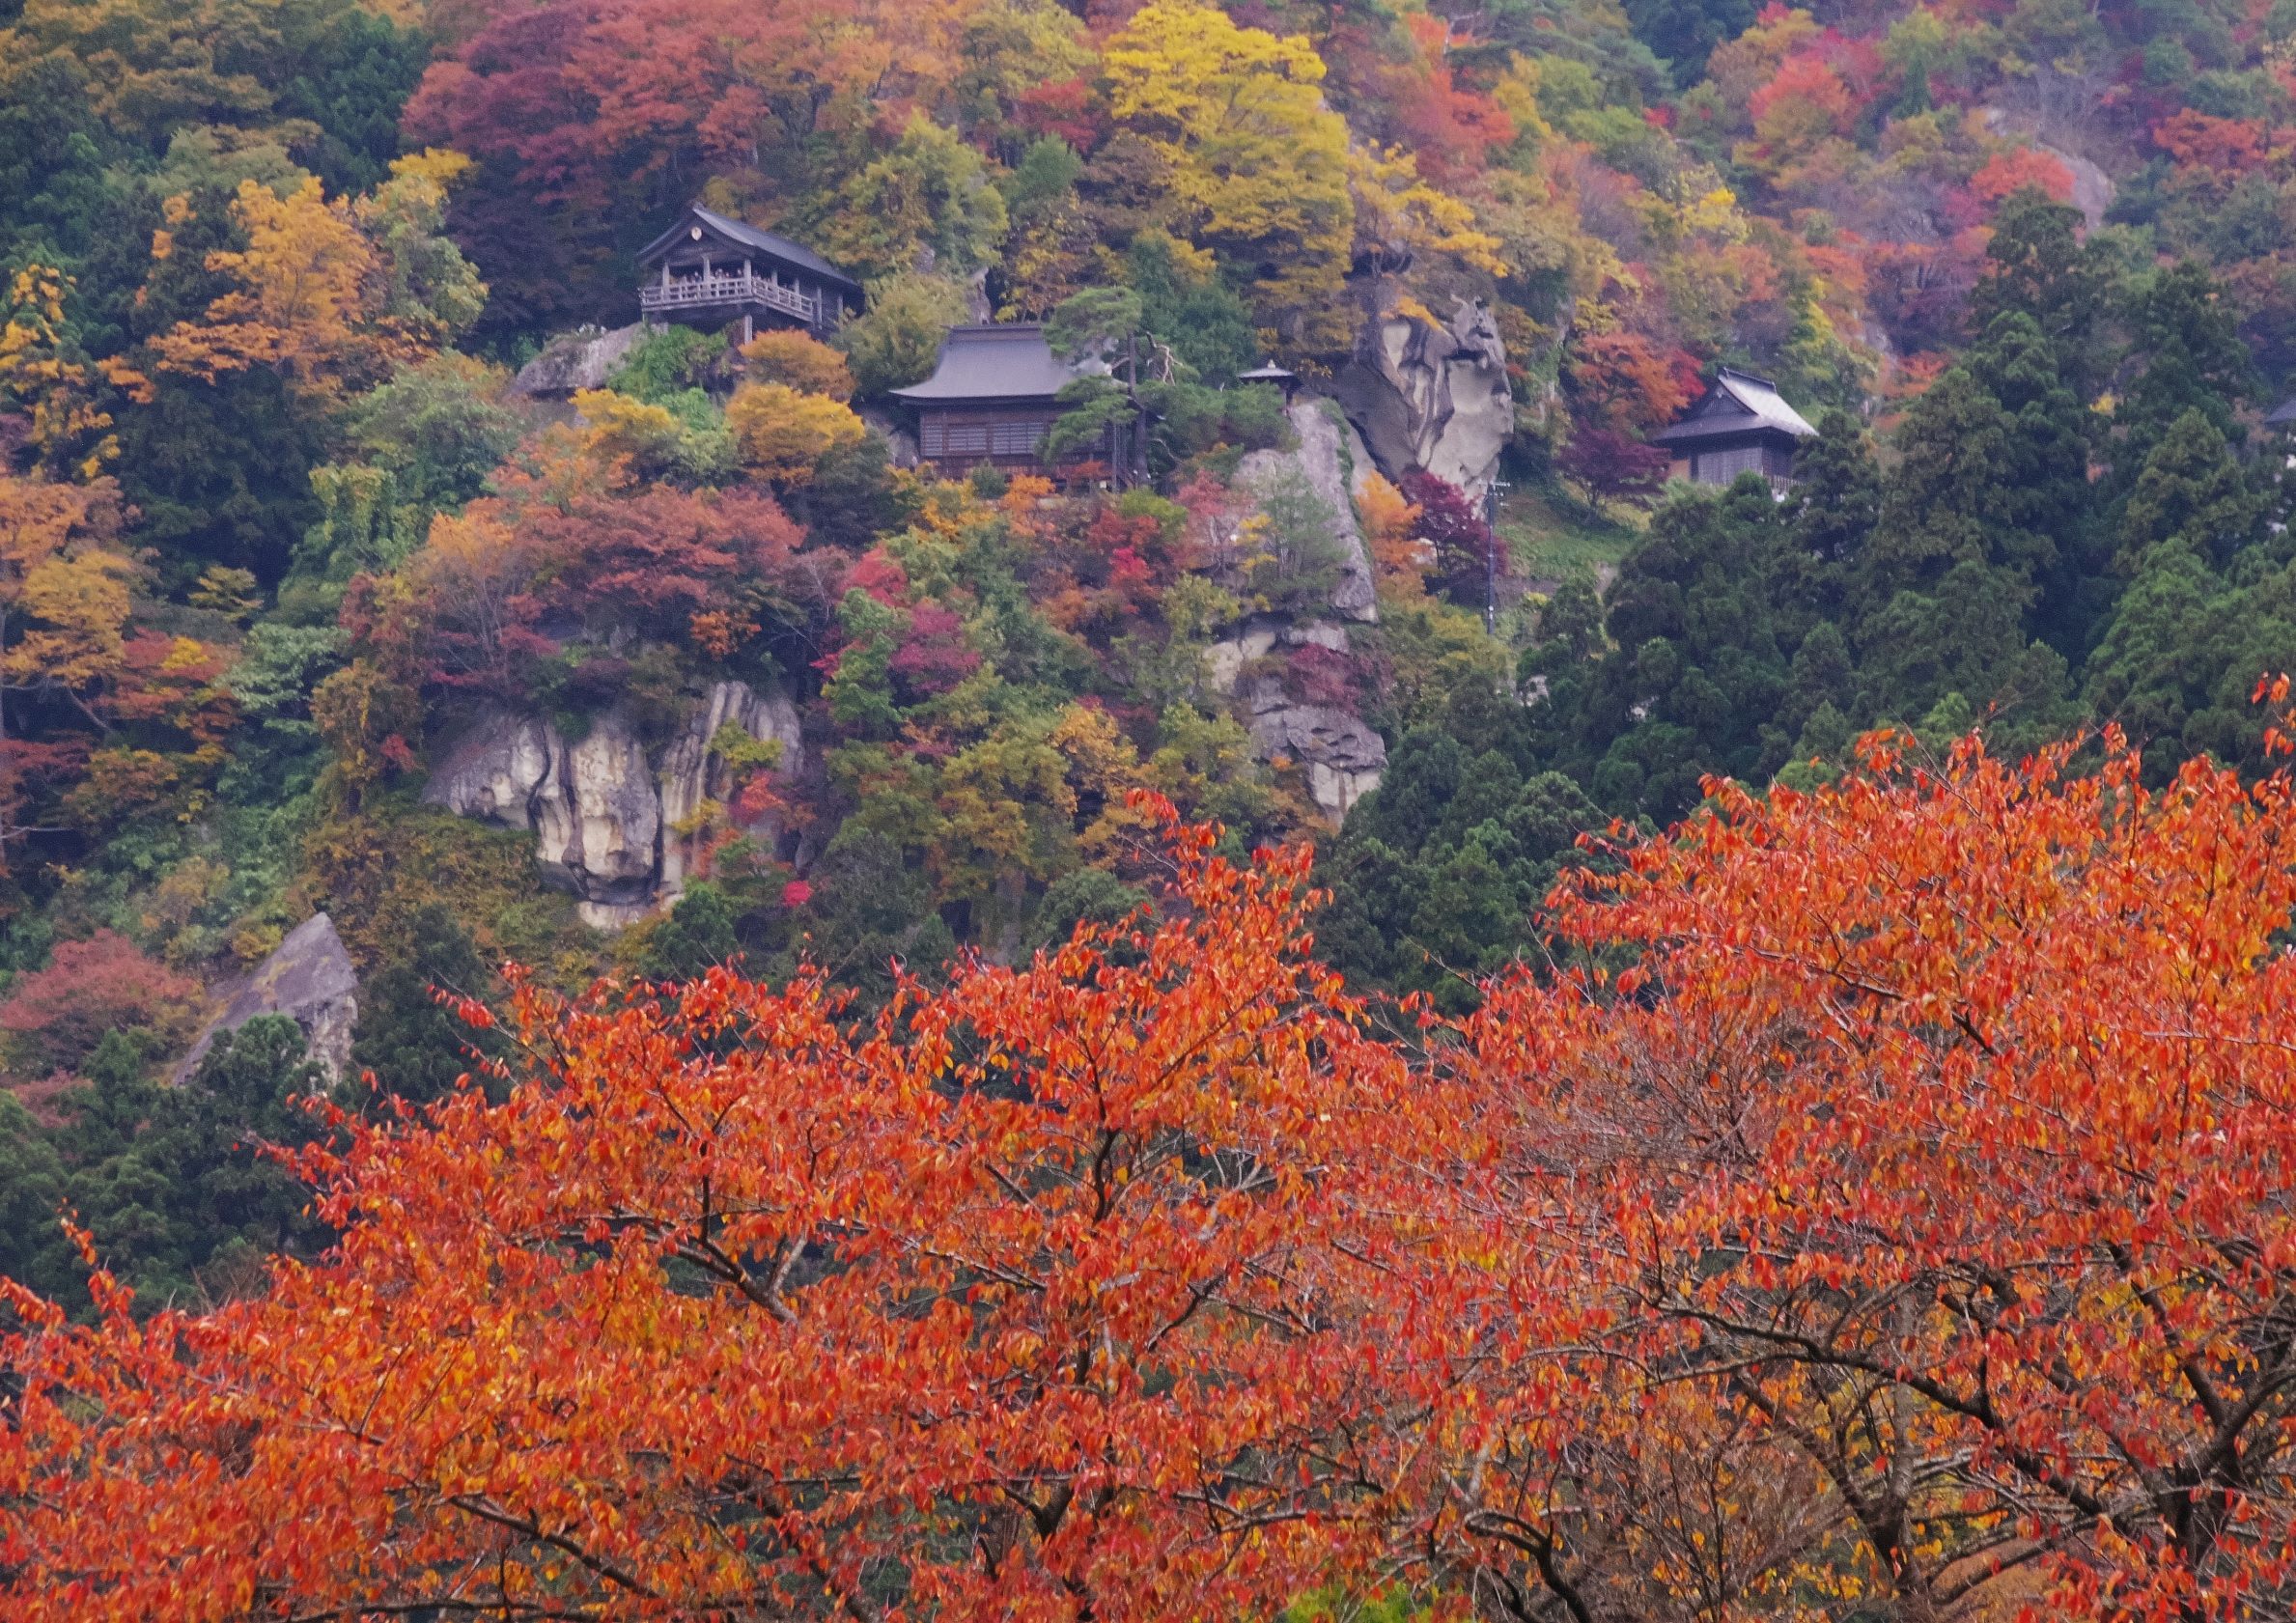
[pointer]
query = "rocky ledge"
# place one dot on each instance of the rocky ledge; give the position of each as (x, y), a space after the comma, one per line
(611, 822)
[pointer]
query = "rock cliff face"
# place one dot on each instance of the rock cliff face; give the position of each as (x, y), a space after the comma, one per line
(1322, 461)
(608, 823)
(1339, 758)
(691, 772)
(1432, 398)
(309, 978)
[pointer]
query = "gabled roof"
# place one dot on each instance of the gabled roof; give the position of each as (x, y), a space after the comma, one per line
(2281, 415)
(746, 237)
(999, 361)
(1735, 403)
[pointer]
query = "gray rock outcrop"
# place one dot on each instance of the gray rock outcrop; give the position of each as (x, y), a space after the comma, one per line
(581, 359)
(1260, 636)
(1340, 757)
(609, 824)
(1322, 462)
(1432, 398)
(609, 842)
(309, 978)
(691, 772)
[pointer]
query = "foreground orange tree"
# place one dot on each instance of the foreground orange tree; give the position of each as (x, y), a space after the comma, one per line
(1929, 1188)
(1045, 1296)
(1907, 1232)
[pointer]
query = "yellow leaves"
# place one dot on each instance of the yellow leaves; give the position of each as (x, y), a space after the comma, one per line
(330, 294)
(782, 433)
(1398, 215)
(1258, 163)
(626, 434)
(64, 584)
(300, 299)
(41, 371)
(798, 360)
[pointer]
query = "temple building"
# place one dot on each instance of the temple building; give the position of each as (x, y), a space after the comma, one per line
(1739, 425)
(990, 400)
(709, 271)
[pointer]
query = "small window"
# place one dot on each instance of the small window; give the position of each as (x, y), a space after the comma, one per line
(1018, 439)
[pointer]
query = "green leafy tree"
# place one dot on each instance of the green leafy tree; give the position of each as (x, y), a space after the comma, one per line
(896, 341)
(927, 205)
(416, 1046)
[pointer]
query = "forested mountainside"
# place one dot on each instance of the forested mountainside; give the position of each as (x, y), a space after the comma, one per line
(362, 555)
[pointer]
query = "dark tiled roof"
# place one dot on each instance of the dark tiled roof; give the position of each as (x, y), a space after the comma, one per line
(1735, 403)
(748, 236)
(1266, 372)
(1004, 360)
(2282, 414)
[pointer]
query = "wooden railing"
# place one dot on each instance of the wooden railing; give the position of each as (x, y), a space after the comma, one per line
(686, 292)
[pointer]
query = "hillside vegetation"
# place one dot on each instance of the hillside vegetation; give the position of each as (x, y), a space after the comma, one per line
(359, 557)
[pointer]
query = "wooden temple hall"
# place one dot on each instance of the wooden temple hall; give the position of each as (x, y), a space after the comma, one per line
(992, 399)
(709, 271)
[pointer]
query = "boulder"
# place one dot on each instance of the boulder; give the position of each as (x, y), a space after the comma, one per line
(575, 361)
(496, 769)
(1322, 461)
(1432, 397)
(691, 772)
(1340, 757)
(309, 978)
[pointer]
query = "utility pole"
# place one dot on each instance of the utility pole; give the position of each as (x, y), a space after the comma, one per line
(1490, 495)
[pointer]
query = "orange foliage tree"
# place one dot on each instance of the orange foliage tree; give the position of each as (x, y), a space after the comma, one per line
(1932, 1158)
(1041, 1296)
(1907, 1229)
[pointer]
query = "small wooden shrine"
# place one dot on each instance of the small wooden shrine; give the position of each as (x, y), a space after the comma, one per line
(1739, 425)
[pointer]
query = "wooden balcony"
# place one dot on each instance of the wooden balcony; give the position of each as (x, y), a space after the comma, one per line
(733, 293)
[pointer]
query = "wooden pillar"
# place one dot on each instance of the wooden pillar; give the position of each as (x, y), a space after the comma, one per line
(748, 327)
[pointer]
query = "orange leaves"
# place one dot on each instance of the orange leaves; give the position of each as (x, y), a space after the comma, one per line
(1909, 1226)
(1035, 1291)
(2015, 168)
(1946, 1094)
(1803, 103)
(2195, 139)
(331, 293)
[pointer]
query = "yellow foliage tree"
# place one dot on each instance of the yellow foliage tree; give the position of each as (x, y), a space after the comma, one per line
(1399, 216)
(781, 433)
(1390, 524)
(39, 370)
(1259, 164)
(64, 604)
(627, 438)
(802, 362)
(330, 295)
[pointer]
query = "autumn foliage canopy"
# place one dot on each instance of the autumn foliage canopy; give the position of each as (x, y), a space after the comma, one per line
(1910, 1214)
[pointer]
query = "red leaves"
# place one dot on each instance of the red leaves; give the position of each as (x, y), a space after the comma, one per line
(1049, 1288)
(1948, 1095)
(1917, 1189)
(2009, 172)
